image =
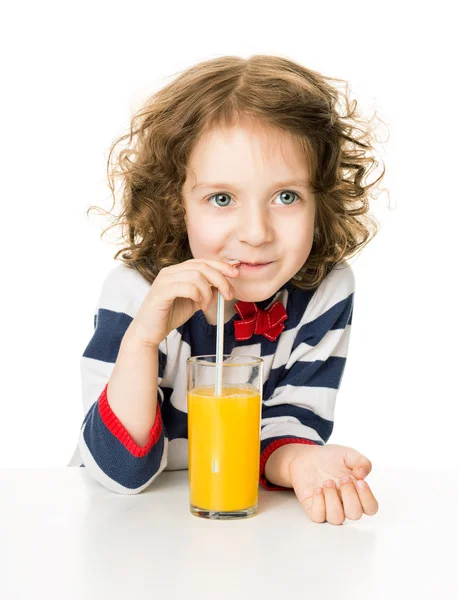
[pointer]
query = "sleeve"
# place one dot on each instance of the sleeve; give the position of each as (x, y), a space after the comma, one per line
(301, 407)
(109, 453)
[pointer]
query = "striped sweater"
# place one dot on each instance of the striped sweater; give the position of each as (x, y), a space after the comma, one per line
(302, 372)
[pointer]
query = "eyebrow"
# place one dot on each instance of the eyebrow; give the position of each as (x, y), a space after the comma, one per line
(296, 182)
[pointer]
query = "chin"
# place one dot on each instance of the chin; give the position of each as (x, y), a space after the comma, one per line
(259, 292)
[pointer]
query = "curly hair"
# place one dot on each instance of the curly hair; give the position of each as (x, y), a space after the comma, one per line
(275, 92)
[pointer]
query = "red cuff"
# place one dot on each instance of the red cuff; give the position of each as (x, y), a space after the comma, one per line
(268, 451)
(120, 432)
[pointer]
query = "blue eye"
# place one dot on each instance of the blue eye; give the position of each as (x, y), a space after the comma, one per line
(289, 195)
(219, 196)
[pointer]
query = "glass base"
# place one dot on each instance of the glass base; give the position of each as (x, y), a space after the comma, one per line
(223, 515)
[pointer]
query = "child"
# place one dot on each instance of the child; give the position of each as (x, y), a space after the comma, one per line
(248, 160)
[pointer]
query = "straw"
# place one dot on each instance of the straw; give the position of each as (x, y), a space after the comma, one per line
(219, 345)
(220, 341)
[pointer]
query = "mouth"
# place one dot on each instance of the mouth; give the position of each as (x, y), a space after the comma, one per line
(254, 266)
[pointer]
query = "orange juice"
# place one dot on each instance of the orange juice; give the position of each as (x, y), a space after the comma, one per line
(224, 446)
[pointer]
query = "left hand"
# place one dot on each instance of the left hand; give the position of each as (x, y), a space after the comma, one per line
(309, 470)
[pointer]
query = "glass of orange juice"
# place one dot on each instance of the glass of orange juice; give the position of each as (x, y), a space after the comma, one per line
(224, 436)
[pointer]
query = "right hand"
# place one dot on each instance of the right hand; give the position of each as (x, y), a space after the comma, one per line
(177, 293)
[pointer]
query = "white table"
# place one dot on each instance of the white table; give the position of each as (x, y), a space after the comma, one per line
(62, 535)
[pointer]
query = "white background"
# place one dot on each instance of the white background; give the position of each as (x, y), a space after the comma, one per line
(72, 76)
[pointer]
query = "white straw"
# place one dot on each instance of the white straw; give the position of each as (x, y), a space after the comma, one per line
(219, 346)
(220, 341)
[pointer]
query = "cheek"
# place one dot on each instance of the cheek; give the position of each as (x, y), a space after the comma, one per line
(205, 238)
(297, 234)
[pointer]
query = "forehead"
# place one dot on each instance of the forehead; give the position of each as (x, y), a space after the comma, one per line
(247, 146)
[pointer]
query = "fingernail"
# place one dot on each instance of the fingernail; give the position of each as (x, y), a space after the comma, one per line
(361, 484)
(329, 483)
(345, 479)
(318, 491)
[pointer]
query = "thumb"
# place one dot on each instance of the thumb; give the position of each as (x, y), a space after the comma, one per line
(358, 463)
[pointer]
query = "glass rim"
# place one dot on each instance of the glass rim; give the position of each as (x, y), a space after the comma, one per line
(254, 360)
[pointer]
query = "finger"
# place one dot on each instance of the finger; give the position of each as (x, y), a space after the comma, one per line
(368, 501)
(185, 289)
(357, 463)
(215, 279)
(202, 295)
(222, 267)
(318, 510)
(350, 499)
(334, 509)
(204, 278)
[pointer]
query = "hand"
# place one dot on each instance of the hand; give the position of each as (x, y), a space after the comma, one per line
(309, 470)
(177, 293)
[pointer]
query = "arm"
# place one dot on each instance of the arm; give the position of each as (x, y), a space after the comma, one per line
(122, 440)
(132, 388)
(299, 414)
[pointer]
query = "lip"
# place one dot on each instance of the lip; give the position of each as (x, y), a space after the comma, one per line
(254, 267)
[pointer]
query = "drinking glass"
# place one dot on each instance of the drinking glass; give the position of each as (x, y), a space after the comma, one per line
(224, 436)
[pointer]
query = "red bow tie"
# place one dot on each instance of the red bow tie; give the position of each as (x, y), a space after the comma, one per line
(268, 323)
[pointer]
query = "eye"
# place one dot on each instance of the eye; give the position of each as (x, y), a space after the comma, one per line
(288, 196)
(218, 197)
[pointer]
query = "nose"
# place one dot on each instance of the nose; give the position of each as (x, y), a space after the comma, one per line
(255, 226)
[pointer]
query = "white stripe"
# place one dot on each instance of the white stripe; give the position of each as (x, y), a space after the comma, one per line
(94, 377)
(177, 454)
(334, 343)
(123, 290)
(175, 372)
(320, 400)
(96, 472)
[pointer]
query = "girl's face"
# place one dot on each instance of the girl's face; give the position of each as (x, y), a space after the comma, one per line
(246, 197)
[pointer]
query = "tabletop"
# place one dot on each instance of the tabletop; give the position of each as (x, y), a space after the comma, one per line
(64, 535)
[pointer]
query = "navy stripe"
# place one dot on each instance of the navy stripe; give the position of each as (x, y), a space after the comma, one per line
(273, 381)
(298, 300)
(323, 427)
(175, 420)
(318, 373)
(111, 327)
(114, 459)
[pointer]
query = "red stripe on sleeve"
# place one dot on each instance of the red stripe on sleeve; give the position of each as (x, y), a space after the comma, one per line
(120, 432)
